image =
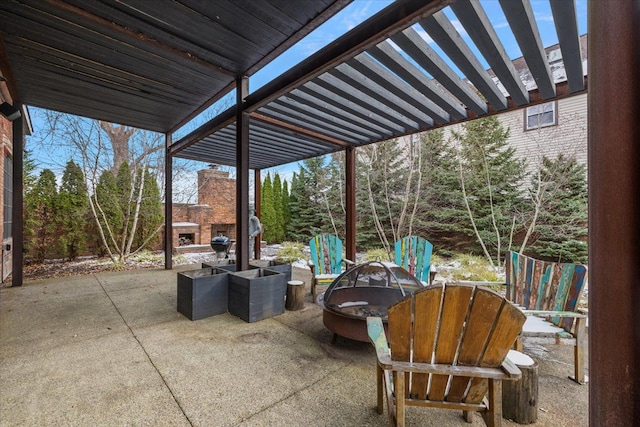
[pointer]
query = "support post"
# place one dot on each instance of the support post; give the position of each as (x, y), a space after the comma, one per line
(614, 213)
(257, 198)
(242, 175)
(168, 204)
(350, 201)
(17, 218)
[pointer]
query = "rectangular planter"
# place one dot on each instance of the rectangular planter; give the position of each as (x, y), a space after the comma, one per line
(281, 267)
(225, 264)
(203, 293)
(257, 294)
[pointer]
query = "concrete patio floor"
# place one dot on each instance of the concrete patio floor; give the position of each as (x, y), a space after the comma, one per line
(110, 349)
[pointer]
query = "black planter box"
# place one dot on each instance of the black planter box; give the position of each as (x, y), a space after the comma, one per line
(282, 268)
(203, 293)
(257, 294)
(225, 264)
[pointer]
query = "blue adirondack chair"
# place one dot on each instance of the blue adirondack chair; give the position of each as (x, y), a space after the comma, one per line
(326, 260)
(414, 255)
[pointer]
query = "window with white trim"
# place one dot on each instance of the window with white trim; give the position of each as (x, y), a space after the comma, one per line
(541, 115)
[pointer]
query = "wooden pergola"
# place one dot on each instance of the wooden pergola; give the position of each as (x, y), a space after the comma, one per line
(157, 65)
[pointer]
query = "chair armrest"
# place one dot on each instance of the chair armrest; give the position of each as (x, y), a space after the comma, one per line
(312, 267)
(545, 313)
(511, 369)
(378, 338)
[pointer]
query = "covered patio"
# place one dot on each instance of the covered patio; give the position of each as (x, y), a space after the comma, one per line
(111, 349)
(48, 45)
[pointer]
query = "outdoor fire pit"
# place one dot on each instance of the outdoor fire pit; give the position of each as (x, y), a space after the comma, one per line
(221, 245)
(364, 290)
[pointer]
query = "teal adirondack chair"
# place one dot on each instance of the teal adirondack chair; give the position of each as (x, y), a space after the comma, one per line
(326, 260)
(414, 255)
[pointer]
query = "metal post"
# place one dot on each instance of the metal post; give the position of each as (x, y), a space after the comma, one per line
(242, 176)
(168, 205)
(350, 200)
(257, 197)
(17, 219)
(614, 213)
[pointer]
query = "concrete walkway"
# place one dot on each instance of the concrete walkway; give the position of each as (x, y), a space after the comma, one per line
(110, 349)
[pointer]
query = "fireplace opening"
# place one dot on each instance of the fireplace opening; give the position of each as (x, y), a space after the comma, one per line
(185, 239)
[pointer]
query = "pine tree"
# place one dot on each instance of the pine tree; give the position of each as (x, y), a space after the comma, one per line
(109, 211)
(286, 209)
(268, 214)
(298, 228)
(151, 214)
(73, 204)
(278, 232)
(561, 229)
(313, 214)
(492, 178)
(43, 203)
(30, 201)
(382, 175)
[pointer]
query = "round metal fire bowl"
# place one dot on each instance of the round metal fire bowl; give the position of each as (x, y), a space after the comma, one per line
(350, 320)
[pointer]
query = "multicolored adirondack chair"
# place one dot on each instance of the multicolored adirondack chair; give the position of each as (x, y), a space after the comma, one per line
(414, 255)
(326, 260)
(550, 290)
(447, 348)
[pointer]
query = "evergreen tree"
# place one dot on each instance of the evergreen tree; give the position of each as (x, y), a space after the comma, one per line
(43, 203)
(381, 185)
(30, 201)
(334, 195)
(73, 204)
(561, 228)
(286, 209)
(313, 215)
(298, 228)
(109, 211)
(492, 178)
(125, 195)
(278, 233)
(151, 215)
(268, 214)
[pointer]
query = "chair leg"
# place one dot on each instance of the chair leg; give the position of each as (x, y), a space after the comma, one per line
(399, 390)
(493, 415)
(380, 386)
(578, 351)
(313, 290)
(467, 416)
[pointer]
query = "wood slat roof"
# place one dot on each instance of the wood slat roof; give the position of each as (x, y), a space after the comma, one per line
(154, 65)
(147, 64)
(384, 80)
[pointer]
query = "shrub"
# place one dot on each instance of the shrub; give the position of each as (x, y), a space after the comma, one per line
(376, 255)
(474, 268)
(291, 252)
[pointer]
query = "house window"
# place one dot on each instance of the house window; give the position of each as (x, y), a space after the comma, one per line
(540, 115)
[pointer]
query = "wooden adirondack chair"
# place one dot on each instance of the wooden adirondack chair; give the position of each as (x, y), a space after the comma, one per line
(454, 334)
(551, 291)
(414, 255)
(326, 260)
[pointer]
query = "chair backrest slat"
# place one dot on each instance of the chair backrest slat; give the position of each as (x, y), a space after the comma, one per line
(452, 325)
(326, 253)
(543, 285)
(413, 253)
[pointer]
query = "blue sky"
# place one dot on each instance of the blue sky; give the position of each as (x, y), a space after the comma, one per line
(352, 15)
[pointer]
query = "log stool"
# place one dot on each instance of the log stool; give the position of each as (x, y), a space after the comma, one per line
(520, 398)
(295, 295)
